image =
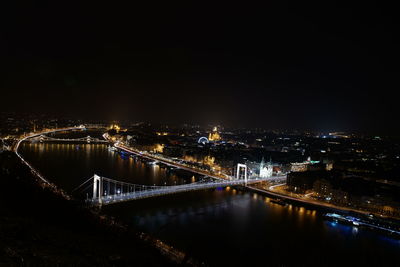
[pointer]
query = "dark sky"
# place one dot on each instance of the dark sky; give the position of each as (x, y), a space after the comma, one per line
(321, 66)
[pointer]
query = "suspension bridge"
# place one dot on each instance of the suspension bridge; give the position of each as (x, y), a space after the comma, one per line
(88, 139)
(105, 191)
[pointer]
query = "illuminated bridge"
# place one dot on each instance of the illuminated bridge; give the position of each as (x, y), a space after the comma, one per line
(34, 135)
(47, 131)
(108, 191)
(87, 139)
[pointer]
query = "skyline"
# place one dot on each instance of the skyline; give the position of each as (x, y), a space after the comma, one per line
(335, 195)
(199, 134)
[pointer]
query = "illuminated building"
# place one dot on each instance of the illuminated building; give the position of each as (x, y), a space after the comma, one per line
(214, 135)
(209, 160)
(265, 170)
(159, 148)
(299, 166)
(329, 166)
(304, 166)
(115, 127)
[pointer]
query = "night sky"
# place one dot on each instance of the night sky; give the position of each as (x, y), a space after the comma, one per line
(320, 66)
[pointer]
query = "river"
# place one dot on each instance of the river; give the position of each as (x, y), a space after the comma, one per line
(223, 226)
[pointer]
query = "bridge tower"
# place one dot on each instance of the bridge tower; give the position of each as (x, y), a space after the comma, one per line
(97, 188)
(244, 168)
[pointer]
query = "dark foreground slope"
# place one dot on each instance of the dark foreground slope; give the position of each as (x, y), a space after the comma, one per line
(39, 227)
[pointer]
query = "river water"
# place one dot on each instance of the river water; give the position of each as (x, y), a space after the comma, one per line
(223, 226)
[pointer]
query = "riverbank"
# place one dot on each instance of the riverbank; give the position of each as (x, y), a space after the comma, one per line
(312, 203)
(39, 226)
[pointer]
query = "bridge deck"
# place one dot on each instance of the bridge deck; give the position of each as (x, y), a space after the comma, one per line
(166, 190)
(88, 139)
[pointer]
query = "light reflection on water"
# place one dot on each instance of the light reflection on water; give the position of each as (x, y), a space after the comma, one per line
(222, 226)
(71, 164)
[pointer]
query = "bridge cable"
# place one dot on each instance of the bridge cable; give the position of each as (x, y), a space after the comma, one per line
(76, 188)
